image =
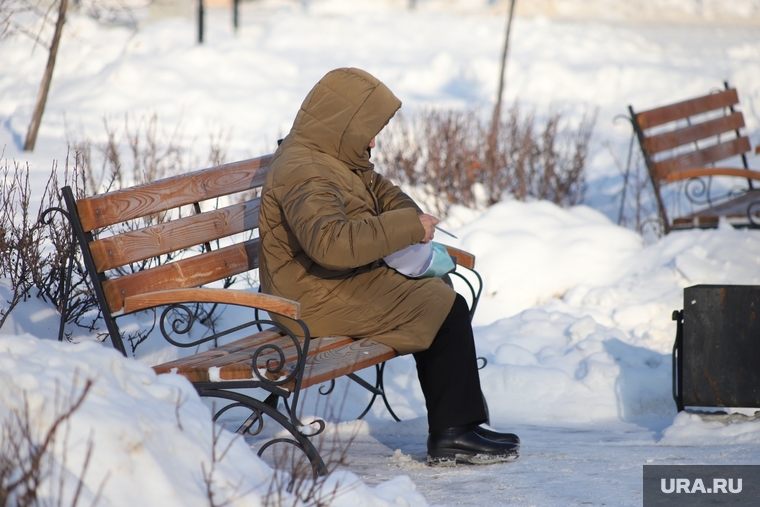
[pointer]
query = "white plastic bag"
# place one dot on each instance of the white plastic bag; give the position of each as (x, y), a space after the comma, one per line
(423, 260)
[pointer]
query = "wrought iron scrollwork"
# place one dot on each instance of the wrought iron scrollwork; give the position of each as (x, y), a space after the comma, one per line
(329, 390)
(698, 192)
(54, 209)
(178, 324)
(178, 320)
(274, 366)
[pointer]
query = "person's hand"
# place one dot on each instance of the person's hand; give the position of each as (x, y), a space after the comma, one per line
(428, 223)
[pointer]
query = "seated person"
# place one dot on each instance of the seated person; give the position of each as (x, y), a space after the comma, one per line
(326, 222)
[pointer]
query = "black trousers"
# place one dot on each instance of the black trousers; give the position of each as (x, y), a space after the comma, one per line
(448, 373)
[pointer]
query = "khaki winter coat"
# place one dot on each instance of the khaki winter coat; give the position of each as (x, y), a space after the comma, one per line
(327, 220)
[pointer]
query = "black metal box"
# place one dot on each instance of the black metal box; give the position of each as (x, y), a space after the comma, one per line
(716, 357)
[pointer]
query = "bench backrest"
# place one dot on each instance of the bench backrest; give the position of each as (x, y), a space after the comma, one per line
(189, 217)
(175, 232)
(692, 134)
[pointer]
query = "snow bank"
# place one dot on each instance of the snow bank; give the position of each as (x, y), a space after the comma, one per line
(150, 437)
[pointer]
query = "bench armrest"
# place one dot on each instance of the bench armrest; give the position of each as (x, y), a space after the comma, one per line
(464, 259)
(266, 302)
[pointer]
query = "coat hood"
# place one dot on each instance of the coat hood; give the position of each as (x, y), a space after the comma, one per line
(342, 113)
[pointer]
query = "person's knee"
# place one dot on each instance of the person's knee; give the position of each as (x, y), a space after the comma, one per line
(461, 306)
(460, 311)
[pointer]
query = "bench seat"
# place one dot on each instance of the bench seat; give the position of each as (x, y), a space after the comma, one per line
(328, 358)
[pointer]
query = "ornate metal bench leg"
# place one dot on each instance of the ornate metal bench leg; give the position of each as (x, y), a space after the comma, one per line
(260, 408)
(381, 385)
(377, 389)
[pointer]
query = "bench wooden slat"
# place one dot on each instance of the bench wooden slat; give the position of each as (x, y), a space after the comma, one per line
(233, 366)
(700, 158)
(253, 341)
(154, 197)
(334, 363)
(686, 108)
(179, 234)
(184, 273)
(686, 135)
(283, 342)
(238, 365)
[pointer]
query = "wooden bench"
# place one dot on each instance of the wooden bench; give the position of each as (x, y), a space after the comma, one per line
(684, 142)
(169, 226)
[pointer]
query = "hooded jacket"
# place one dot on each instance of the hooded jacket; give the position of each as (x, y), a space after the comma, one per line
(327, 219)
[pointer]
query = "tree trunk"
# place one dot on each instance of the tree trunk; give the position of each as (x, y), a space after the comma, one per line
(47, 77)
(494, 134)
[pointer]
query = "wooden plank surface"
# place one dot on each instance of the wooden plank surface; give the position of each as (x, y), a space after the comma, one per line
(463, 258)
(179, 234)
(700, 158)
(234, 362)
(686, 108)
(238, 366)
(157, 196)
(330, 357)
(691, 134)
(252, 341)
(343, 360)
(185, 273)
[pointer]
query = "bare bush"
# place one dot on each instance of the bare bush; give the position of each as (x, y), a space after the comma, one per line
(34, 250)
(17, 237)
(447, 153)
(209, 483)
(37, 249)
(26, 454)
(294, 475)
(151, 154)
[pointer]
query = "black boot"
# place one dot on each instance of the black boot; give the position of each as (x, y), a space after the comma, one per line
(463, 445)
(496, 436)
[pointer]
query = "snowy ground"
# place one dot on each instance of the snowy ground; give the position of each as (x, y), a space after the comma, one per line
(575, 317)
(560, 466)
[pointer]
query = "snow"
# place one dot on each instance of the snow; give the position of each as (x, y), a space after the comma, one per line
(575, 317)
